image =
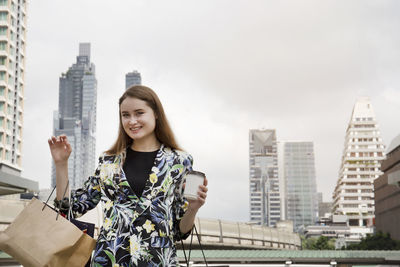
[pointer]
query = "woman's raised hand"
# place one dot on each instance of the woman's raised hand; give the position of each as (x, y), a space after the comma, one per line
(60, 148)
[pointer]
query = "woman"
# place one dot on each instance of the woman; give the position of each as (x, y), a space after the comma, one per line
(138, 179)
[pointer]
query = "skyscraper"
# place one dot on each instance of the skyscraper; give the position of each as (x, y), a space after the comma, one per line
(301, 197)
(12, 83)
(76, 116)
(362, 153)
(132, 78)
(265, 202)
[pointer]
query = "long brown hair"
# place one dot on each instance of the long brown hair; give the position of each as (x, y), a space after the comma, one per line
(163, 131)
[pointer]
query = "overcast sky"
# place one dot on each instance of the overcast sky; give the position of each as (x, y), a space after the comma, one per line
(220, 68)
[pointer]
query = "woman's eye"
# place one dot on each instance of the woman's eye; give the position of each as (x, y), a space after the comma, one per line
(125, 115)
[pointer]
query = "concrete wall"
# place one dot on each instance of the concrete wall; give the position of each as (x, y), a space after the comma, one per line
(387, 198)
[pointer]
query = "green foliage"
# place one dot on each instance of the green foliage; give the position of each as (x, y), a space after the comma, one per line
(378, 241)
(320, 243)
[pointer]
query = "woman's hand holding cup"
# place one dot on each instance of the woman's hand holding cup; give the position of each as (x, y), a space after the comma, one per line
(196, 189)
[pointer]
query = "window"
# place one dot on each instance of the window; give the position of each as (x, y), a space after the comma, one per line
(3, 61)
(3, 16)
(3, 46)
(3, 2)
(366, 191)
(350, 191)
(350, 205)
(2, 75)
(2, 90)
(3, 31)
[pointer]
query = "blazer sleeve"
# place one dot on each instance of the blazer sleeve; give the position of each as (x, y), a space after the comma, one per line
(87, 197)
(181, 204)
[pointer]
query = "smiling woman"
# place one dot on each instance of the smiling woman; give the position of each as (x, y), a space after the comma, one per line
(137, 178)
(139, 122)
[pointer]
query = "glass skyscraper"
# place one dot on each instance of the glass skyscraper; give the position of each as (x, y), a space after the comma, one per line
(76, 116)
(132, 78)
(301, 197)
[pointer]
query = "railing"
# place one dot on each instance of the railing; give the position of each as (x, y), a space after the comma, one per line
(222, 234)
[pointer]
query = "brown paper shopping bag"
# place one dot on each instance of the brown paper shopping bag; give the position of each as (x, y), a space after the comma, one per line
(38, 237)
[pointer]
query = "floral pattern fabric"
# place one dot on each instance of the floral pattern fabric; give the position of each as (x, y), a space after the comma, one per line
(137, 230)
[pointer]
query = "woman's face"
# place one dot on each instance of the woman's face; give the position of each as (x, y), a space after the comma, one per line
(138, 119)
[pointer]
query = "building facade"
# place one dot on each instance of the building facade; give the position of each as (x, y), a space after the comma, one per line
(12, 83)
(301, 197)
(76, 116)
(265, 201)
(363, 150)
(132, 78)
(387, 192)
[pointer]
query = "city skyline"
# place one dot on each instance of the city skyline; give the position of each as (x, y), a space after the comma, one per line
(294, 67)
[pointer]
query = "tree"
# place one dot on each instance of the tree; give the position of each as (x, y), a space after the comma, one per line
(323, 243)
(378, 241)
(320, 243)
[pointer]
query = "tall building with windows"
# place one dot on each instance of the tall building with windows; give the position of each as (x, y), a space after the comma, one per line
(265, 202)
(301, 198)
(132, 78)
(363, 151)
(76, 116)
(12, 83)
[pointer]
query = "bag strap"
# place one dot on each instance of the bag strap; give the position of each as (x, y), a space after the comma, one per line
(184, 254)
(60, 202)
(202, 251)
(187, 260)
(190, 246)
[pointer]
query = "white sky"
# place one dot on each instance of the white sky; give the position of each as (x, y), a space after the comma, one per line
(221, 67)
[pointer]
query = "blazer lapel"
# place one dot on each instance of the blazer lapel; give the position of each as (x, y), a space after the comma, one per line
(152, 187)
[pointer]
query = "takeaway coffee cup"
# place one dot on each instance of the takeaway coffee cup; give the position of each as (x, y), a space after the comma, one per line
(193, 180)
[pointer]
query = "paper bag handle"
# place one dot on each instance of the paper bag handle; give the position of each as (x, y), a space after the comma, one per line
(59, 206)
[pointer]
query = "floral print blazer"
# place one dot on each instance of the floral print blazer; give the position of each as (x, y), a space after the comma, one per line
(137, 230)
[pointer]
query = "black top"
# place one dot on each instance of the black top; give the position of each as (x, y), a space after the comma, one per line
(137, 168)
